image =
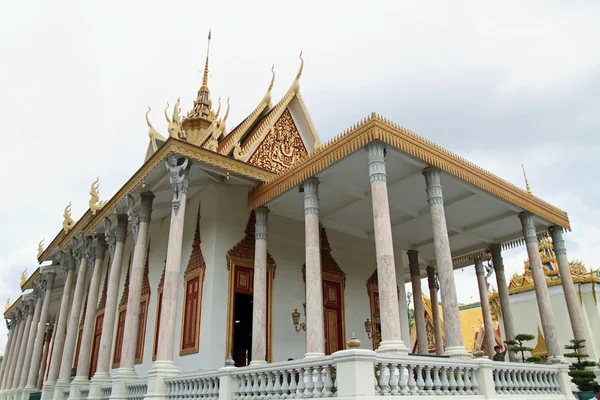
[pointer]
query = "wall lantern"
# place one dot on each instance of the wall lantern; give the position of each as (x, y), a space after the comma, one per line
(296, 319)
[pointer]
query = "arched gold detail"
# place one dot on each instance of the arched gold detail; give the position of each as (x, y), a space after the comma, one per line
(68, 222)
(95, 203)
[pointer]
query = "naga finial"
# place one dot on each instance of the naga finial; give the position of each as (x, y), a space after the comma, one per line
(526, 181)
(95, 203)
(40, 248)
(175, 129)
(296, 85)
(24, 277)
(167, 115)
(7, 305)
(68, 222)
(272, 77)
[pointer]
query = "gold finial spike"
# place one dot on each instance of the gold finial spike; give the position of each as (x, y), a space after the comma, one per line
(166, 114)
(68, 222)
(296, 85)
(526, 181)
(95, 203)
(272, 77)
(205, 76)
(40, 248)
(7, 305)
(24, 277)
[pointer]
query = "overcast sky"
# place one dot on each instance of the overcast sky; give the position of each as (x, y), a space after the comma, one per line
(498, 84)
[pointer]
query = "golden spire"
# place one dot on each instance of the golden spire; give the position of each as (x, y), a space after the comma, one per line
(526, 181)
(205, 76)
(203, 105)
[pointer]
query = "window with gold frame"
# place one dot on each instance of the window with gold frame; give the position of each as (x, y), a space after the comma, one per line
(193, 280)
(121, 319)
(143, 315)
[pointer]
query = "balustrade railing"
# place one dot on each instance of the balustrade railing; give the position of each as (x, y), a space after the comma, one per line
(85, 391)
(194, 386)
(418, 376)
(106, 392)
(525, 379)
(136, 390)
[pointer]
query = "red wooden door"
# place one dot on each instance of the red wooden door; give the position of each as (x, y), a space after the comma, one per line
(96, 345)
(332, 304)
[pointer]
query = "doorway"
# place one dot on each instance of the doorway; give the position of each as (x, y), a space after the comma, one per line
(242, 329)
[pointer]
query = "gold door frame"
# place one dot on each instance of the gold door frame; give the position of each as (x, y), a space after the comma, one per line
(341, 279)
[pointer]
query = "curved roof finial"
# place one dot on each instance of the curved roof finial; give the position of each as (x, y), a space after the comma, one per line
(526, 181)
(296, 84)
(272, 77)
(147, 119)
(226, 112)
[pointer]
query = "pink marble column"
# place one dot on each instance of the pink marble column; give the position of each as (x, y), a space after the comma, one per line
(15, 355)
(29, 301)
(488, 324)
(164, 367)
(435, 311)
(6, 357)
(445, 268)
(46, 287)
(391, 334)
(259, 293)
(541, 290)
(30, 340)
(45, 355)
(571, 298)
(507, 316)
(115, 237)
(415, 277)
(83, 247)
(315, 334)
(81, 376)
(16, 330)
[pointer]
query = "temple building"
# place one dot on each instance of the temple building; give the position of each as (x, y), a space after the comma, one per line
(260, 262)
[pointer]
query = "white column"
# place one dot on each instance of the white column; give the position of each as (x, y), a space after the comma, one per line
(488, 324)
(82, 248)
(507, 316)
(45, 355)
(6, 356)
(68, 265)
(571, 298)
(539, 281)
(30, 340)
(259, 293)
(435, 311)
(164, 367)
(29, 301)
(115, 238)
(443, 256)
(402, 304)
(81, 376)
(7, 384)
(315, 333)
(391, 333)
(46, 287)
(15, 319)
(415, 277)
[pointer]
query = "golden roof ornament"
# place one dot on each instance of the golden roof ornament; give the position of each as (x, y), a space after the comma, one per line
(175, 129)
(526, 181)
(296, 84)
(95, 203)
(40, 248)
(153, 133)
(7, 305)
(203, 104)
(68, 222)
(24, 277)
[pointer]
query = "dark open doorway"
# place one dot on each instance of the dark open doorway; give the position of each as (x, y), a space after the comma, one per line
(242, 329)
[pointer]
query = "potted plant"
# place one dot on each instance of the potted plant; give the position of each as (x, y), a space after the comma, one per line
(518, 346)
(580, 375)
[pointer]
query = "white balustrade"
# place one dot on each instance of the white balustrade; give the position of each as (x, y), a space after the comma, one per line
(85, 391)
(194, 386)
(525, 379)
(106, 391)
(136, 390)
(65, 393)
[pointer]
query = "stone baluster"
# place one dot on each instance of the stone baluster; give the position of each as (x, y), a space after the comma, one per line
(85, 347)
(507, 315)
(33, 330)
(115, 239)
(488, 324)
(259, 293)
(139, 220)
(420, 325)
(82, 247)
(541, 289)
(9, 346)
(164, 366)
(454, 338)
(391, 334)
(46, 287)
(571, 298)
(29, 301)
(315, 340)
(435, 311)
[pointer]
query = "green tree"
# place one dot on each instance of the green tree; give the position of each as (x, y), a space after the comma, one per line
(518, 346)
(580, 375)
(411, 312)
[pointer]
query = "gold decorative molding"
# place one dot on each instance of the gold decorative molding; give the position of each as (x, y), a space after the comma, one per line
(40, 248)
(68, 222)
(24, 277)
(95, 203)
(27, 283)
(375, 128)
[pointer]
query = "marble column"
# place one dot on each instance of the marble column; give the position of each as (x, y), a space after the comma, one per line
(46, 287)
(259, 304)
(29, 301)
(403, 305)
(539, 281)
(507, 315)
(488, 324)
(82, 248)
(15, 321)
(315, 334)
(7, 384)
(45, 354)
(391, 334)
(443, 256)
(24, 373)
(435, 311)
(6, 356)
(415, 277)
(68, 265)
(115, 237)
(164, 367)
(571, 298)
(81, 376)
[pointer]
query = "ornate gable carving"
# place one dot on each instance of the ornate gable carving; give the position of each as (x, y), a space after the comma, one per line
(244, 249)
(196, 262)
(281, 148)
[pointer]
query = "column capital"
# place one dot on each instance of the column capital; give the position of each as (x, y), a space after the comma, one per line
(28, 303)
(556, 233)
(496, 250)
(120, 231)
(529, 233)
(99, 246)
(413, 263)
(377, 171)
(433, 185)
(432, 278)
(311, 196)
(146, 206)
(262, 223)
(133, 216)
(88, 249)
(179, 171)
(48, 280)
(479, 269)
(67, 261)
(109, 235)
